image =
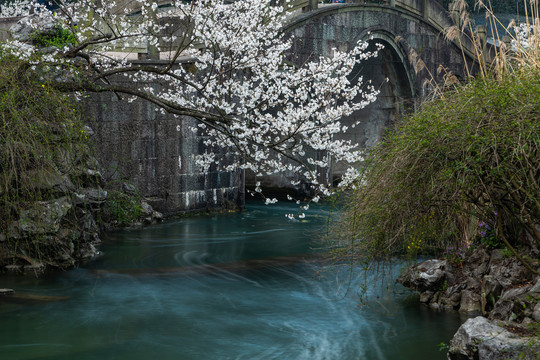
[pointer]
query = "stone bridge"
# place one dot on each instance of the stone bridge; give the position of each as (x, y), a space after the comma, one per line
(415, 46)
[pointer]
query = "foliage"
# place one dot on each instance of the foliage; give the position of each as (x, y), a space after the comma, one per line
(488, 235)
(275, 113)
(38, 124)
(471, 156)
(465, 168)
(444, 347)
(122, 209)
(40, 133)
(59, 36)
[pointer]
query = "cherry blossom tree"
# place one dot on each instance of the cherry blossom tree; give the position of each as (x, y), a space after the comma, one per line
(238, 80)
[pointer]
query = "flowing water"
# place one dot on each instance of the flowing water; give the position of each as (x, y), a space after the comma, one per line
(232, 286)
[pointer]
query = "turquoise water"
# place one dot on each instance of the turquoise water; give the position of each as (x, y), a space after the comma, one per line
(232, 286)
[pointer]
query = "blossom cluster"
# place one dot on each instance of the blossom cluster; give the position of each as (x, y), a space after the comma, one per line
(272, 115)
(526, 36)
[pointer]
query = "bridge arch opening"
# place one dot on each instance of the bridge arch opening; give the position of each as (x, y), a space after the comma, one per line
(391, 74)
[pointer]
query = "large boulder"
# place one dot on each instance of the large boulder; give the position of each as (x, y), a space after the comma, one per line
(481, 339)
(427, 275)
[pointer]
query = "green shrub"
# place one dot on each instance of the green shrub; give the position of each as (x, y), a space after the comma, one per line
(122, 209)
(471, 156)
(58, 37)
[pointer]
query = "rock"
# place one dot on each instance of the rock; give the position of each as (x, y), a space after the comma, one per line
(90, 196)
(451, 298)
(535, 289)
(470, 303)
(490, 286)
(480, 339)
(434, 302)
(146, 209)
(25, 29)
(88, 131)
(7, 292)
(149, 215)
(507, 270)
(473, 283)
(157, 216)
(43, 217)
(88, 251)
(477, 263)
(527, 322)
(504, 307)
(48, 181)
(428, 275)
(536, 312)
(426, 296)
(88, 177)
(129, 189)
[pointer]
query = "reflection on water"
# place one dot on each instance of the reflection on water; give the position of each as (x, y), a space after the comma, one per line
(237, 286)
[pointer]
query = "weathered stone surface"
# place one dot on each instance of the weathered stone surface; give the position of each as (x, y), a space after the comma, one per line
(504, 307)
(473, 283)
(90, 196)
(426, 296)
(427, 275)
(481, 339)
(507, 270)
(490, 286)
(486, 284)
(470, 303)
(478, 264)
(451, 298)
(535, 289)
(88, 177)
(137, 145)
(149, 215)
(43, 217)
(536, 312)
(49, 181)
(146, 209)
(129, 189)
(23, 31)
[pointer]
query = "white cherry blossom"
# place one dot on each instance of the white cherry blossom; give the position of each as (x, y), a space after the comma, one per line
(229, 69)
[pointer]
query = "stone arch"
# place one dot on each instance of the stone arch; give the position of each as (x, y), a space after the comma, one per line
(397, 95)
(395, 52)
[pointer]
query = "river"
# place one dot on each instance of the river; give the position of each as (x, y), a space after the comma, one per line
(232, 286)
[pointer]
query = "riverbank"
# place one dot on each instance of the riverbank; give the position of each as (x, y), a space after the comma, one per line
(500, 294)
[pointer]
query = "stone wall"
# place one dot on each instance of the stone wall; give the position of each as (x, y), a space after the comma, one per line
(156, 153)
